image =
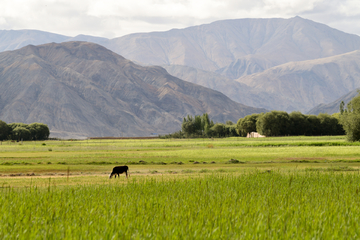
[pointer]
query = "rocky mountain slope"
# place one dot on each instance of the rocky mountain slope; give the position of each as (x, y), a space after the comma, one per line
(300, 86)
(83, 89)
(334, 107)
(235, 90)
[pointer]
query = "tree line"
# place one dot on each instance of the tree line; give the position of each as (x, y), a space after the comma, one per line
(350, 118)
(280, 123)
(274, 123)
(22, 131)
(202, 126)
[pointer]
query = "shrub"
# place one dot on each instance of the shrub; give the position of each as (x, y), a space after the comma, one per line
(235, 161)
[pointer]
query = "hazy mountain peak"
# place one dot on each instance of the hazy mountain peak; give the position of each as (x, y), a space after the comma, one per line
(220, 46)
(15, 39)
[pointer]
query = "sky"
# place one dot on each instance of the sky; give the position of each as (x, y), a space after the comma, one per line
(115, 18)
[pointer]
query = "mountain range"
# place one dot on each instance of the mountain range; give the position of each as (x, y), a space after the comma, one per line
(294, 86)
(237, 47)
(306, 83)
(278, 64)
(82, 89)
(234, 48)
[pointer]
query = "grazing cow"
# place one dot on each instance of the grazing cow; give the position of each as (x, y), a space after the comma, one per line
(119, 170)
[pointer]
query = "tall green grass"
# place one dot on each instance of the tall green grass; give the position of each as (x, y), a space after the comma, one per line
(255, 205)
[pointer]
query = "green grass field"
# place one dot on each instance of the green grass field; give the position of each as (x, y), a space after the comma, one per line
(281, 188)
(97, 157)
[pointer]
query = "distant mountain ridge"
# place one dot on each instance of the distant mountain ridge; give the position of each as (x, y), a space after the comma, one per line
(16, 39)
(232, 56)
(334, 107)
(234, 47)
(300, 86)
(82, 89)
(237, 47)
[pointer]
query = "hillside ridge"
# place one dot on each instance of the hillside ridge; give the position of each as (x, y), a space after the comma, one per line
(81, 89)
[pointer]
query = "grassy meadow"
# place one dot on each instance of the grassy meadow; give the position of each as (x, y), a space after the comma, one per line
(232, 188)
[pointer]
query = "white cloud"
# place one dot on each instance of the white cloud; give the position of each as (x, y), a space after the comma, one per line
(112, 18)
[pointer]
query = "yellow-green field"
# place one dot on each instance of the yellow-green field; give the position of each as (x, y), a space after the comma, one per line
(90, 158)
(280, 188)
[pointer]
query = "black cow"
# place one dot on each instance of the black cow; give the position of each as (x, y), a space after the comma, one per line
(119, 170)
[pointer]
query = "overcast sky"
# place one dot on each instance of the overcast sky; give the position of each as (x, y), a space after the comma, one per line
(115, 18)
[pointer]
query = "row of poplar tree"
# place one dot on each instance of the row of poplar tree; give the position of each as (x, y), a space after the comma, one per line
(22, 131)
(274, 123)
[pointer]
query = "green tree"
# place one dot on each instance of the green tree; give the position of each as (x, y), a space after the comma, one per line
(339, 130)
(351, 125)
(299, 124)
(197, 126)
(206, 123)
(21, 133)
(314, 125)
(219, 129)
(229, 122)
(14, 135)
(34, 131)
(39, 131)
(231, 130)
(274, 123)
(329, 125)
(188, 126)
(247, 124)
(4, 131)
(342, 105)
(350, 119)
